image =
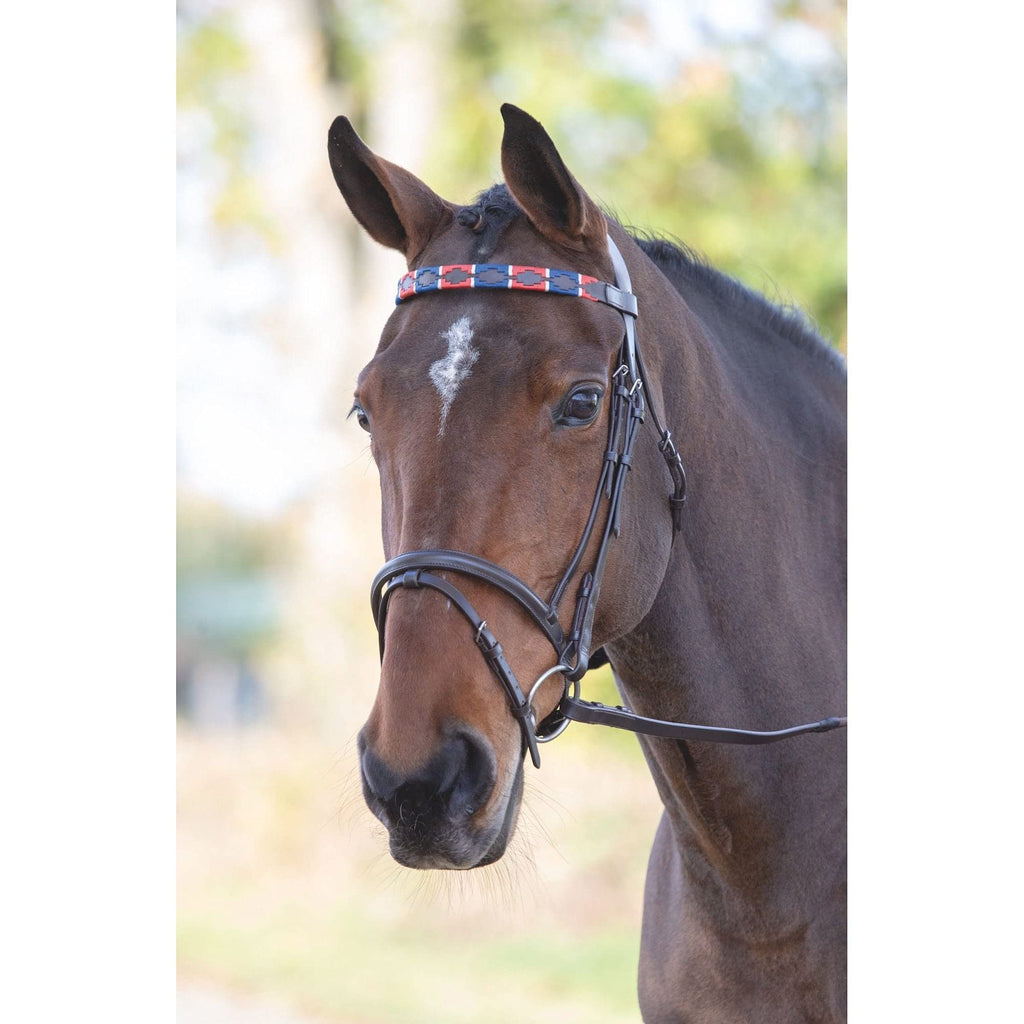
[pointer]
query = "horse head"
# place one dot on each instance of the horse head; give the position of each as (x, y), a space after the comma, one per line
(488, 414)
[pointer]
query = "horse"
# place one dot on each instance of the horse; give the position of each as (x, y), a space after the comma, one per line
(532, 340)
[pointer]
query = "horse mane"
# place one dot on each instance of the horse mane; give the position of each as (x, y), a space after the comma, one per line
(495, 207)
(679, 262)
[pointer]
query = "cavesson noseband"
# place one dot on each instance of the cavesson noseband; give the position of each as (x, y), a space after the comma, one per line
(631, 399)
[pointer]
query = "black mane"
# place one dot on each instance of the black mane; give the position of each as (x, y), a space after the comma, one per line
(679, 261)
(495, 208)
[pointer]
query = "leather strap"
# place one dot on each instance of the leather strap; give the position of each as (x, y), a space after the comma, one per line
(542, 613)
(595, 713)
(638, 371)
(484, 639)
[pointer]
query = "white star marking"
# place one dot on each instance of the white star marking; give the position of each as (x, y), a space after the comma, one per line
(449, 373)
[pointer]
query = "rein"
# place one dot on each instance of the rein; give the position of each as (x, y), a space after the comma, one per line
(631, 400)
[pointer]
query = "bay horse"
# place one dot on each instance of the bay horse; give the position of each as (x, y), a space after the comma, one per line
(505, 416)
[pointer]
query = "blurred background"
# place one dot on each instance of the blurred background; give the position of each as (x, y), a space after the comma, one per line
(722, 124)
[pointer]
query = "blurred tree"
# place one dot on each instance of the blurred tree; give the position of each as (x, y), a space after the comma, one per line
(736, 146)
(226, 566)
(213, 538)
(728, 135)
(212, 59)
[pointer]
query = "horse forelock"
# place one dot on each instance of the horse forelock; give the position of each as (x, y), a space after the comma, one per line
(487, 217)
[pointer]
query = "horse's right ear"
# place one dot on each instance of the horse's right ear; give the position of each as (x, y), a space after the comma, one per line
(394, 206)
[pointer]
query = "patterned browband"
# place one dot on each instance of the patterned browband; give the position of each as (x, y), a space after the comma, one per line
(507, 276)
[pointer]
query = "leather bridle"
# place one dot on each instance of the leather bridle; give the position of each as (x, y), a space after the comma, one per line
(631, 399)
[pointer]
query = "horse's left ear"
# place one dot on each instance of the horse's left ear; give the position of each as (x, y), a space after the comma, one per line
(544, 187)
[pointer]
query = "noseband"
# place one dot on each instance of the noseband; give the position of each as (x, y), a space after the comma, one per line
(631, 400)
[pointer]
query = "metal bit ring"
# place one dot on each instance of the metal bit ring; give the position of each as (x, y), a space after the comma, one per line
(560, 728)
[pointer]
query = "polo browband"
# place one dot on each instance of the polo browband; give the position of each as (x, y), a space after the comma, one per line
(631, 399)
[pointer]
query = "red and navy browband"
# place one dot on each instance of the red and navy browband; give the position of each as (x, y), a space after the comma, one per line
(507, 276)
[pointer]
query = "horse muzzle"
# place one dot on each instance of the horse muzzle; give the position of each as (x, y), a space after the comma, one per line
(445, 814)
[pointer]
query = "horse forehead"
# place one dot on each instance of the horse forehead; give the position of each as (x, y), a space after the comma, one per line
(472, 347)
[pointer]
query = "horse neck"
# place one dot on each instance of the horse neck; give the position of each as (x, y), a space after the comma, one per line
(748, 627)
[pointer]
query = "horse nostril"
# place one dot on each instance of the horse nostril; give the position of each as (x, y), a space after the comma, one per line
(378, 779)
(474, 783)
(456, 781)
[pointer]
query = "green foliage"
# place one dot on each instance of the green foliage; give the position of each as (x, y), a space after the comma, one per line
(213, 540)
(212, 60)
(740, 155)
(209, 53)
(738, 149)
(226, 597)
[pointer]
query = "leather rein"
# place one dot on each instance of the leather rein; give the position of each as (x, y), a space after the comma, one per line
(631, 400)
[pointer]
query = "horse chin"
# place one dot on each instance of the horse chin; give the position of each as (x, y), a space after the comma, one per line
(462, 849)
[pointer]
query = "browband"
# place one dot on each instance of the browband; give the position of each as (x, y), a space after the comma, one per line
(515, 278)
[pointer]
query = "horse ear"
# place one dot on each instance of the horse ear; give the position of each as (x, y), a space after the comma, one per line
(544, 187)
(393, 205)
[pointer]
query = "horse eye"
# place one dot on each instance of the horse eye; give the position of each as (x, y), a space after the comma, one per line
(361, 418)
(580, 406)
